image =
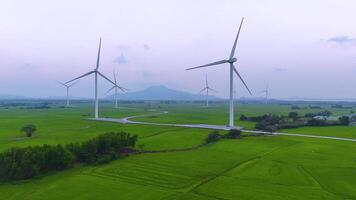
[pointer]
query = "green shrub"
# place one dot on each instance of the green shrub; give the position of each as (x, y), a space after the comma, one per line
(29, 129)
(213, 137)
(344, 120)
(232, 134)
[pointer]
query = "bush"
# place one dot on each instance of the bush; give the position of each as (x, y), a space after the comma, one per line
(232, 134)
(243, 118)
(344, 120)
(29, 129)
(293, 115)
(213, 137)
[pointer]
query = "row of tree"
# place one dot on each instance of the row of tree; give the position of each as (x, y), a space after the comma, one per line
(23, 163)
(215, 135)
(272, 123)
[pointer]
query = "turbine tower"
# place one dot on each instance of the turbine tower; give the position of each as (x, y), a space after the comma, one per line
(266, 92)
(116, 87)
(207, 88)
(67, 87)
(96, 74)
(231, 60)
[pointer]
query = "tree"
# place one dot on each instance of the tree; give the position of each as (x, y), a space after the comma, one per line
(233, 134)
(293, 115)
(243, 118)
(29, 129)
(213, 137)
(344, 120)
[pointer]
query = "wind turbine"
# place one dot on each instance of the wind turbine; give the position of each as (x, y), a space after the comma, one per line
(67, 87)
(116, 87)
(96, 73)
(207, 88)
(266, 94)
(231, 60)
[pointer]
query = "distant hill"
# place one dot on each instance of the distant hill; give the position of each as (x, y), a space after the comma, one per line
(12, 97)
(161, 93)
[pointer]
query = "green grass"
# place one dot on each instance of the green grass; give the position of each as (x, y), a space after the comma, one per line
(267, 167)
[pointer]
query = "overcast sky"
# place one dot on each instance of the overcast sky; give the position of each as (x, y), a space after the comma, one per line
(304, 48)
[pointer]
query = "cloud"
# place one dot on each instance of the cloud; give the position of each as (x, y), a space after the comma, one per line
(342, 40)
(121, 60)
(146, 47)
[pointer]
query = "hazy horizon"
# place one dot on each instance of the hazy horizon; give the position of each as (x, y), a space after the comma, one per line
(301, 48)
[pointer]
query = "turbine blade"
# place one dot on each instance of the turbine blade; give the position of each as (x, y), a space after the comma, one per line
(237, 37)
(212, 89)
(123, 89)
(203, 90)
(237, 73)
(210, 64)
(109, 90)
(206, 80)
(62, 83)
(98, 57)
(73, 84)
(115, 77)
(80, 77)
(102, 75)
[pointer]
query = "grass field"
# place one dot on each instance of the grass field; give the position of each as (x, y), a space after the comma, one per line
(266, 167)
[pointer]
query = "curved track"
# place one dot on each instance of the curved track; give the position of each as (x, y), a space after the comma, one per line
(128, 120)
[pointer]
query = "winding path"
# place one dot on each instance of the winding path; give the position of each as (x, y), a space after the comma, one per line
(127, 120)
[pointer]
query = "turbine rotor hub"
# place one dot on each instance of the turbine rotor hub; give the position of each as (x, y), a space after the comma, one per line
(232, 60)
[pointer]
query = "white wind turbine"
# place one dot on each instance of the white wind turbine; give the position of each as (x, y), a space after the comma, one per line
(207, 88)
(96, 73)
(266, 92)
(67, 87)
(116, 87)
(231, 60)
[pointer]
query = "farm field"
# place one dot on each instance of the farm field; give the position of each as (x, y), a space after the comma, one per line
(265, 167)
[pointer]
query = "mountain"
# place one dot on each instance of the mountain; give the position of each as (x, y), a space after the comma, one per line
(12, 97)
(161, 93)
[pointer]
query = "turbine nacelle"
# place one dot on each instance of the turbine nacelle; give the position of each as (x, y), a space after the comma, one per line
(232, 60)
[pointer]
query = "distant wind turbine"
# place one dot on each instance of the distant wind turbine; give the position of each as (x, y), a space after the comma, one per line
(266, 92)
(96, 73)
(231, 60)
(67, 87)
(207, 88)
(116, 87)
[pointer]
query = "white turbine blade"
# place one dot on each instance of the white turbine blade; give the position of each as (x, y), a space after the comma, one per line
(123, 89)
(237, 37)
(110, 89)
(80, 77)
(115, 77)
(115, 85)
(206, 88)
(210, 64)
(102, 75)
(206, 80)
(237, 73)
(73, 84)
(62, 83)
(98, 57)
(212, 89)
